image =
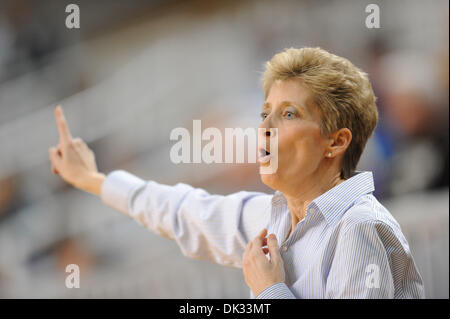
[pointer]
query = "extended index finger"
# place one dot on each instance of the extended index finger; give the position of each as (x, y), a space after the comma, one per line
(63, 128)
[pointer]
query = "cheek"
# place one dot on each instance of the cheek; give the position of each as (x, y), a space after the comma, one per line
(300, 152)
(304, 141)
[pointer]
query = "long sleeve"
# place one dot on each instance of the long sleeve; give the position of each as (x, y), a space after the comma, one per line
(371, 262)
(205, 226)
(277, 291)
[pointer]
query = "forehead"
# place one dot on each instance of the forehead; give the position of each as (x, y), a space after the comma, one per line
(289, 89)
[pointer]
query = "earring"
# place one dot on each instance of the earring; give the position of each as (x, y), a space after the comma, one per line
(329, 154)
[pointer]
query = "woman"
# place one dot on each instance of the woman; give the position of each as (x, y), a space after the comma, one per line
(329, 236)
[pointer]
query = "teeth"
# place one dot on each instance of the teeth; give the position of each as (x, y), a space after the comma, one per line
(264, 159)
(264, 156)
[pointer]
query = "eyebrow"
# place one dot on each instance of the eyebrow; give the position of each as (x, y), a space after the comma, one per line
(286, 103)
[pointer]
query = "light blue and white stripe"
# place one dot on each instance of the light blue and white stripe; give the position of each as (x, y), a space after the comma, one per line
(347, 246)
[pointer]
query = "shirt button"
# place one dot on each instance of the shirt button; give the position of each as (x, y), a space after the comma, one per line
(284, 248)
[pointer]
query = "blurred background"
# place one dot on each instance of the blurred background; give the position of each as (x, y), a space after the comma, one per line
(137, 69)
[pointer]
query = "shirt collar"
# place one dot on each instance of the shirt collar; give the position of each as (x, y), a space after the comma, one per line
(333, 203)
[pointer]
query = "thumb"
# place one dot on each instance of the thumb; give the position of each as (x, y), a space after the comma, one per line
(55, 158)
(272, 244)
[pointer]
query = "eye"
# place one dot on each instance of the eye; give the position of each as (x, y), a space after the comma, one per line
(263, 116)
(289, 115)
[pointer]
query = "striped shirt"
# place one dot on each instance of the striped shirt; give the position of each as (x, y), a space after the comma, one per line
(347, 246)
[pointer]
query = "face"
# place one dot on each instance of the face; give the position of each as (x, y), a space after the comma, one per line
(301, 147)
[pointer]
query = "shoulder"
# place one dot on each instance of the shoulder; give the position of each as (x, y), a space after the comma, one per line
(368, 216)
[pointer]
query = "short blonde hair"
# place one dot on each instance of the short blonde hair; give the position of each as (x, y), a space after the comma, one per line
(342, 92)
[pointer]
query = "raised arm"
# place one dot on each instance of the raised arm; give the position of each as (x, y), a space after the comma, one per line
(208, 227)
(205, 226)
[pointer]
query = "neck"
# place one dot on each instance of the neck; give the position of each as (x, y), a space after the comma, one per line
(299, 200)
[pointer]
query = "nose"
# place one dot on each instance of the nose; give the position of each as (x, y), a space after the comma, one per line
(267, 127)
(267, 131)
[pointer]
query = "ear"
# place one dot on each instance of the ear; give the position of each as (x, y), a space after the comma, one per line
(339, 142)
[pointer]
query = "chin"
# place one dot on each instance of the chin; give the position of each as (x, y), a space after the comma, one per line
(271, 180)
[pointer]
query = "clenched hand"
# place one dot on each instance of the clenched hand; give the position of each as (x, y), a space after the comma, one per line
(260, 273)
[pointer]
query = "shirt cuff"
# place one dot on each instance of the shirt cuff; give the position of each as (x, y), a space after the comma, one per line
(277, 291)
(117, 188)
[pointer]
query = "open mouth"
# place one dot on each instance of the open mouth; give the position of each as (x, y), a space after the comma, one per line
(264, 155)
